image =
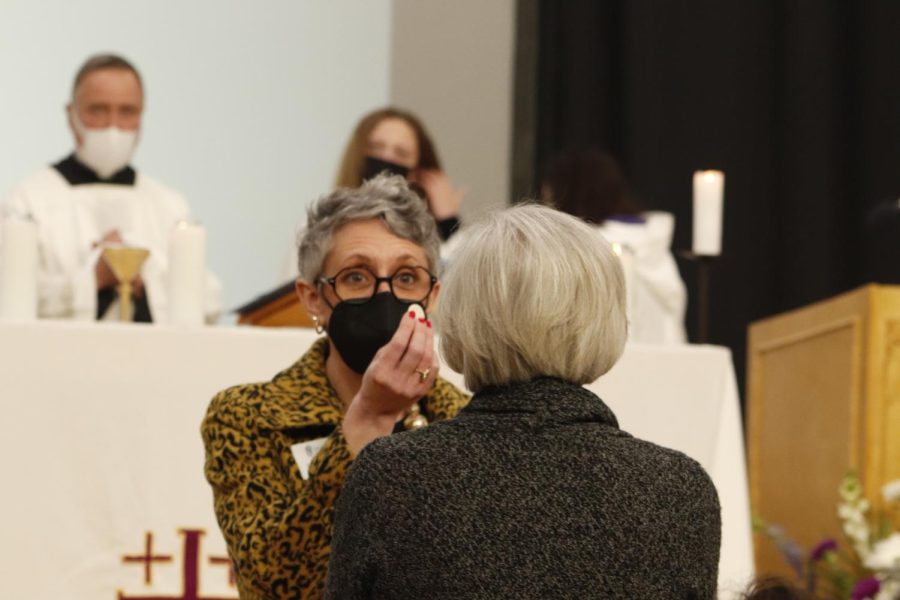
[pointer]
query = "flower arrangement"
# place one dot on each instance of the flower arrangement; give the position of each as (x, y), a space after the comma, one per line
(867, 566)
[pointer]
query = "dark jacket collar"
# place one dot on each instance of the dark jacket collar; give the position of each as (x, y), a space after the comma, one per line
(544, 398)
(77, 173)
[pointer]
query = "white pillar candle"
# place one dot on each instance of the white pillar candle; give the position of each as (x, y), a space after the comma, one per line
(18, 269)
(708, 198)
(187, 274)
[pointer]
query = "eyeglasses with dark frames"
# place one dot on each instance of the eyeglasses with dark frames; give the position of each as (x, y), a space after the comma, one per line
(360, 284)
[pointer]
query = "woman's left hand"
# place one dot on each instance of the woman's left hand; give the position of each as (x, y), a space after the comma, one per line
(443, 198)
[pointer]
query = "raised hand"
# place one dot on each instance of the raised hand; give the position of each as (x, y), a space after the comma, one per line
(402, 372)
(443, 198)
(102, 272)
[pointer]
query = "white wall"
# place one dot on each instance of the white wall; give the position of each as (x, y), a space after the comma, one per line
(452, 64)
(249, 103)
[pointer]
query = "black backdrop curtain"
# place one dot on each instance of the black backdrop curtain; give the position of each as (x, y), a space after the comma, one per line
(797, 102)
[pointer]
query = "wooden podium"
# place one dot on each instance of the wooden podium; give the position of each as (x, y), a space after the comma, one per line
(823, 397)
(279, 308)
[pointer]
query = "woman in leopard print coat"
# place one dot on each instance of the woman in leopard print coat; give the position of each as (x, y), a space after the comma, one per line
(277, 452)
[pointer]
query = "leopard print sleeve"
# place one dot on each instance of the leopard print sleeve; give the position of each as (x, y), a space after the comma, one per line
(277, 525)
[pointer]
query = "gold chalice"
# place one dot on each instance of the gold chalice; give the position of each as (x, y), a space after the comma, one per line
(125, 263)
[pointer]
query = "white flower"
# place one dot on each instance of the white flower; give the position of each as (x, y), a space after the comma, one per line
(885, 555)
(891, 491)
(857, 530)
(889, 590)
(847, 512)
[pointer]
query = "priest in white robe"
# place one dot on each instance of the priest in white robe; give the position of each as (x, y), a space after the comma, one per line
(95, 198)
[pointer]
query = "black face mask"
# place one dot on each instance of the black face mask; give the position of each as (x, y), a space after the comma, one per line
(375, 166)
(359, 330)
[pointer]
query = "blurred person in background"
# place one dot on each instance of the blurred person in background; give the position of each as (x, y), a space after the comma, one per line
(396, 141)
(775, 588)
(94, 198)
(590, 185)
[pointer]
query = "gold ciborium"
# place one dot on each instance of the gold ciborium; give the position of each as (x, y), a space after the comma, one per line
(125, 263)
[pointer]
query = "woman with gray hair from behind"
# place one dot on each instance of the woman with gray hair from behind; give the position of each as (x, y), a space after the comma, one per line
(532, 491)
(277, 452)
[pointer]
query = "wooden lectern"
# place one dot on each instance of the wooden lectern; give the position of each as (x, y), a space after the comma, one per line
(279, 308)
(823, 397)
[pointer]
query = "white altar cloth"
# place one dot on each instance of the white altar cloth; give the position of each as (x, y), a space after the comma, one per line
(104, 495)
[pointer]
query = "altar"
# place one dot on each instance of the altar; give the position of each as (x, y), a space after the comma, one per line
(104, 494)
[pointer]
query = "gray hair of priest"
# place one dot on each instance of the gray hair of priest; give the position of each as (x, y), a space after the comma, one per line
(533, 292)
(385, 197)
(101, 62)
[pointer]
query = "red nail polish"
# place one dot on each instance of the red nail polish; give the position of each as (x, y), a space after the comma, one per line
(421, 320)
(428, 323)
(412, 314)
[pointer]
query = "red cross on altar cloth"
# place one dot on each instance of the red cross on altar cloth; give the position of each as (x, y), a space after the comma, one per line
(148, 558)
(224, 560)
(190, 589)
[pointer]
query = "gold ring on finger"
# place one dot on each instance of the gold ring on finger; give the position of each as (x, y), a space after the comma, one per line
(423, 374)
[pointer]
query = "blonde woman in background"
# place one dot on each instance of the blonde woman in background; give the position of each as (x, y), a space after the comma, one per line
(395, 141)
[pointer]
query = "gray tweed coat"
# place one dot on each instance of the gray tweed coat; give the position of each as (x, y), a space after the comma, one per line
(531, 492)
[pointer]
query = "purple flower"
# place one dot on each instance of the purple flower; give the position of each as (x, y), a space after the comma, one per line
(822, 548)
(865, 588)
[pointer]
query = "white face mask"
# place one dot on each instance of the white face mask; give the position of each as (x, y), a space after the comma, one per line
(106, 151)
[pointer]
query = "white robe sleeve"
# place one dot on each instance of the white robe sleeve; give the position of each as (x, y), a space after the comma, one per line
(71, 295)
(660, 294)
(661, 281)
(65, 290)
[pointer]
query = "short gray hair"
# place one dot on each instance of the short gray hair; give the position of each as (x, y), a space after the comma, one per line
(385, 197)
(534, 292)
